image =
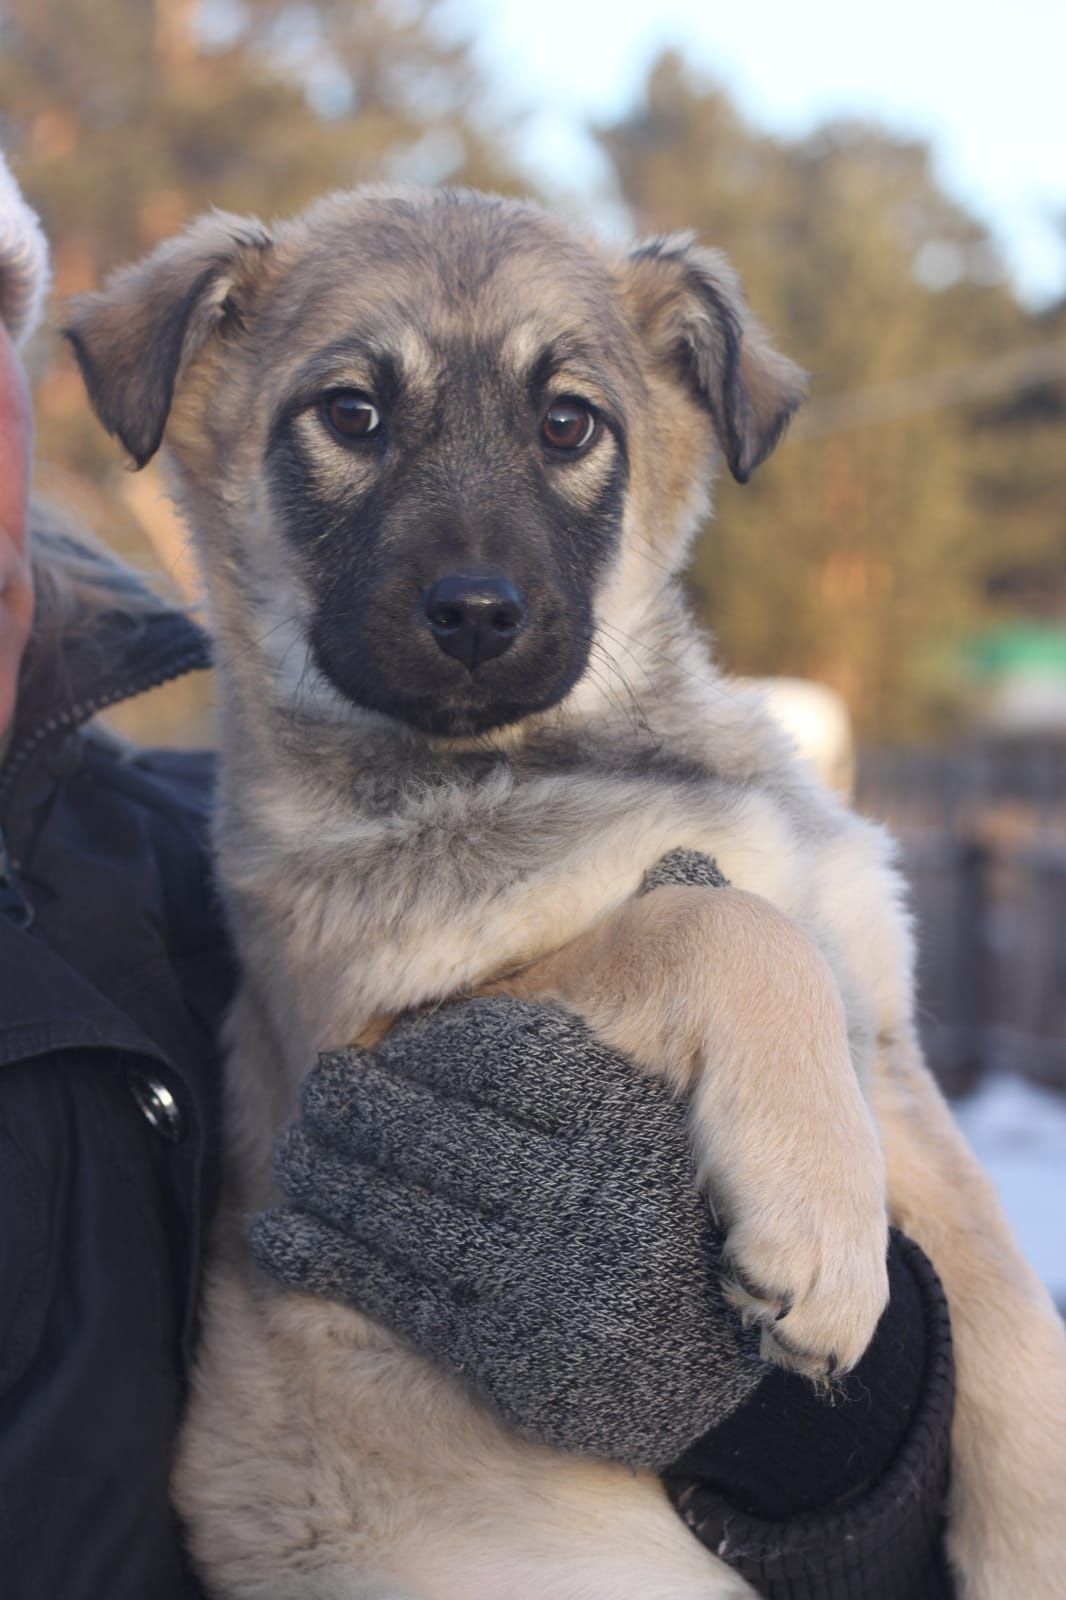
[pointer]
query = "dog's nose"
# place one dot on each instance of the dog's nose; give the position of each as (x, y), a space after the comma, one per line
(474, 619)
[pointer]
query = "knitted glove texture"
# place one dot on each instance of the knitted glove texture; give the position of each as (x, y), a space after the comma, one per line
(518, 1203)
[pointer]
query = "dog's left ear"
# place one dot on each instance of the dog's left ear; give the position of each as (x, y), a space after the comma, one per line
(688, 304)
(133, 338)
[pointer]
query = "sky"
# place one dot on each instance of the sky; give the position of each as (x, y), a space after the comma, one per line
(984, 82)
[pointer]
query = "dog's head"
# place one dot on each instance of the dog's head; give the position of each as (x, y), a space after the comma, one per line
(439, 436)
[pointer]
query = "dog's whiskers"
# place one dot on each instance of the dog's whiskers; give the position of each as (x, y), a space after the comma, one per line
(634, 709)
(706, 681)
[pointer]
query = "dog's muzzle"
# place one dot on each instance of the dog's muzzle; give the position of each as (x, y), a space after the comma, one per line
(474, 618)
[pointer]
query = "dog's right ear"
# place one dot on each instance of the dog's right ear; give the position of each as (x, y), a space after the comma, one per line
(133, 337)
(688, 305)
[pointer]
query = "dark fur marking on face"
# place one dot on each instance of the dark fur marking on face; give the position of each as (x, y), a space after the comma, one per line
(332, 369)
(464, 490)
(587, 537)
(567, 354)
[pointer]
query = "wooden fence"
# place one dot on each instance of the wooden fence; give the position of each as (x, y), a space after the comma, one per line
(983, 836)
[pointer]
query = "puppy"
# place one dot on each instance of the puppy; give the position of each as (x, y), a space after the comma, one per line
(442, 461)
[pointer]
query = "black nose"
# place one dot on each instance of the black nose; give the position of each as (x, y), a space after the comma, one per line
(474, 619)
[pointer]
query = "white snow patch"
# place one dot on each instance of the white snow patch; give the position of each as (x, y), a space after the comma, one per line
(1018, 1132)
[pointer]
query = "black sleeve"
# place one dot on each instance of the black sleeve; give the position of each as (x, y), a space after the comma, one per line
(90, 1386)
(839, 1495)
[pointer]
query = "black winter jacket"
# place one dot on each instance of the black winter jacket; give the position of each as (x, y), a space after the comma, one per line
(114, 974)
(114, 971)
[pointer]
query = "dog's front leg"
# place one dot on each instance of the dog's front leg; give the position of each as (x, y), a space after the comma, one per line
(731, 1001)
(1007, 1522)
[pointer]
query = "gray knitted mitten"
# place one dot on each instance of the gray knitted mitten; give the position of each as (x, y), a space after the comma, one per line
(517, 1202)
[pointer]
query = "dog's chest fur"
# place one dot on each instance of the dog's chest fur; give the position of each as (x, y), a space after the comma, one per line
(408, 880)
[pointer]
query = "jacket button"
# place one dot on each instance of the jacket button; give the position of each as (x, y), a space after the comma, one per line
(158, 1106)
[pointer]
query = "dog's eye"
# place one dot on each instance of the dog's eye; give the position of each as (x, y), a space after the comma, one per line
(567, 425)
(351, 414)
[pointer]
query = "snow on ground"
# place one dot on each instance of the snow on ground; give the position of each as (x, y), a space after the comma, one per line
(1018, 1132)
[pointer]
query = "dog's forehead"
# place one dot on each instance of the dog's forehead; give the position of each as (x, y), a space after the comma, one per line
(416, 274)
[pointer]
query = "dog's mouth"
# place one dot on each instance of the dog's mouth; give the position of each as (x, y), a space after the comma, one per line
(445, 699)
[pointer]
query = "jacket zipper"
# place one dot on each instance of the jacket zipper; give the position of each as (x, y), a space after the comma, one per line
(13, 902)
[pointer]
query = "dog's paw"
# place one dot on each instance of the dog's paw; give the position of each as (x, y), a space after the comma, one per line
(814, 1283)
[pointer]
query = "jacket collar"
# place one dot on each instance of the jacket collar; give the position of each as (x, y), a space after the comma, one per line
(130, 642)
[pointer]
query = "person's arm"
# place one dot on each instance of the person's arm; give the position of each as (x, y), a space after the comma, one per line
(838, 1493)
(520, 1204)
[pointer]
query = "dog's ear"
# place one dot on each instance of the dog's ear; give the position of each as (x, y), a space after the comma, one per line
(132, 338)
(689, 307)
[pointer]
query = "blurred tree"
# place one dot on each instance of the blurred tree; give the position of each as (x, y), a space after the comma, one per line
(1017, 486)
(124, 119)
(864, 550)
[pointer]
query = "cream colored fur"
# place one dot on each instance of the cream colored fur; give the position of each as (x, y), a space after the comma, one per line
(320, 1460)
(721, 982)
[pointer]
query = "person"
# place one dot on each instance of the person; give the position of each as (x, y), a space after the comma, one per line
(605, 1330)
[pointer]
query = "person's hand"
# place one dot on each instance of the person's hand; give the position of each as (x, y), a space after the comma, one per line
(519, 1203)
